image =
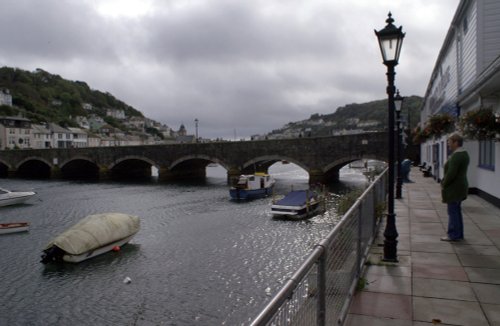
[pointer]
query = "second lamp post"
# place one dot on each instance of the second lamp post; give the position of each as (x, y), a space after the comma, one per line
(398, 103)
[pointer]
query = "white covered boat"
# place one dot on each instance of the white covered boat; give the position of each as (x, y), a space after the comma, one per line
(92, 236)
(14, 227)
(251, 186)
(298, 205)
(8, 197)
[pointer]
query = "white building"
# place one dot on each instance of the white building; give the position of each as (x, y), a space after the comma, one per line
(115, 113)
(15, 132)
(61, 137)
(41, 136)
(78, 137)
(467, 77)
(5, 97)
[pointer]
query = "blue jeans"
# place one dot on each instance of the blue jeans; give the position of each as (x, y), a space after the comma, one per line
(455, 221)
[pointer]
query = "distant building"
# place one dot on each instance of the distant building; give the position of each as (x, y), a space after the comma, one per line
(41, 136)
(15, 132)
(78, 137)
(83, 122)
(116, 113)
(5, 97)
(61, 137)
(182, 131)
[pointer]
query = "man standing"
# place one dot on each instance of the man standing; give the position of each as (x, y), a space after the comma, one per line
(454, 187)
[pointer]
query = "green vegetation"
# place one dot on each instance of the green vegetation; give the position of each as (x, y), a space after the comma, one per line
(44, 97)
(347, 201)
(352, 116)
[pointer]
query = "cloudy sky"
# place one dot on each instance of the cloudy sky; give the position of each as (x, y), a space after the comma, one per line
(241, 67)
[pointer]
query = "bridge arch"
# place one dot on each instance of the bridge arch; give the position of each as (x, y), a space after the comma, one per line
(4, 169)
(267, 160)
(34, 167)
(129, 166)
(79, 167)
(202, 157)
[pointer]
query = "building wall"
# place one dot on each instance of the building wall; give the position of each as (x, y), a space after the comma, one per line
(465, 78)
(490, 41)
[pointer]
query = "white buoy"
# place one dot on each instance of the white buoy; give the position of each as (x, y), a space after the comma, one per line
(127, 280)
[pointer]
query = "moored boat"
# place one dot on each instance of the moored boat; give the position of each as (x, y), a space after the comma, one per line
(14, 227)
(251, 186)
(298, 205)
(8, 197)
(94, 235)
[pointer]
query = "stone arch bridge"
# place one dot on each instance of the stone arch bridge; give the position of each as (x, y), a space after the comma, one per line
(321, 157)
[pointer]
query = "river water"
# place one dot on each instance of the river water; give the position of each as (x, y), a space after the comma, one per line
(199, 258)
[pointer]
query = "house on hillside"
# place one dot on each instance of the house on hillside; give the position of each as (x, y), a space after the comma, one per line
(15, 132)
(466, 78)
(5, 97)
(116, 113)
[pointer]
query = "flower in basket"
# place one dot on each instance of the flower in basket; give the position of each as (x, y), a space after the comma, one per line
(439, 124)
(420, 135)
(480, 124)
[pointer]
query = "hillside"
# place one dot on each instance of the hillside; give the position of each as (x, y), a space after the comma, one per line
(364, 116)
(43, 97)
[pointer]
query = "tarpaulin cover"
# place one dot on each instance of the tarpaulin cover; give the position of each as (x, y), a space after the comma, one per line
(295, 198)
(95, 231)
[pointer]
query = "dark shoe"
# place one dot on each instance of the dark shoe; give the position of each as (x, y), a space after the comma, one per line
(448, 239)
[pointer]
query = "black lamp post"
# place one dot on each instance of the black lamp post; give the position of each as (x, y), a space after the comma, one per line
(196, 128)
(390, 39)
(398, 103)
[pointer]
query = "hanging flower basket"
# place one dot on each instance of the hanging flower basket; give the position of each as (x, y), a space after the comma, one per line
(480, 124)
(439, 124)
(420, 135)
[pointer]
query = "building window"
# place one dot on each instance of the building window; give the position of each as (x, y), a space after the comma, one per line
(487, 154)
(466, 25)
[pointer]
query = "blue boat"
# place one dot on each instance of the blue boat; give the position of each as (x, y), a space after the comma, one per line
(252, 186)
(298, 205)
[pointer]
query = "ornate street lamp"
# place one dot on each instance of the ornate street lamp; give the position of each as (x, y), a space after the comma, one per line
(196, 128)
(390, 39)
(398, 104)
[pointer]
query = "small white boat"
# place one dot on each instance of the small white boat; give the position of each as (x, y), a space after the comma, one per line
(92, 236)
(8, 197)
(14, 227)
(298, 205)
(251, 186)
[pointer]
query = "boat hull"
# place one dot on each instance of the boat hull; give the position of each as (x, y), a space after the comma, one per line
(250, 193)
(6, 228)
(295, 212)
(92, 236)
(99, 251)
(14, 198)
(297, 205)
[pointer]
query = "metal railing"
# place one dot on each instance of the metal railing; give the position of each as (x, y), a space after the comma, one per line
(320, 291)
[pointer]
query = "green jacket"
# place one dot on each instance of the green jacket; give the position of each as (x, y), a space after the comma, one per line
(454, 186)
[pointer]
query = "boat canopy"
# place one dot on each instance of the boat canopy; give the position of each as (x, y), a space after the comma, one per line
(296, 198)
(95, 231)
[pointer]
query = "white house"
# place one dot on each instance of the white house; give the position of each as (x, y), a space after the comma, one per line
(5, 97)
(78, 137)
(466, 77)
(115, 113)
(61, 137)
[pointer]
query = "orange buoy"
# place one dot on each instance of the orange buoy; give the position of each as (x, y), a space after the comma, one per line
(116, 248)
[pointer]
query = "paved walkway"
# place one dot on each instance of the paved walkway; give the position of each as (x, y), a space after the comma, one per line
(435, 282)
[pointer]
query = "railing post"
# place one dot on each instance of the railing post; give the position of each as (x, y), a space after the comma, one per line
(321, 321)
